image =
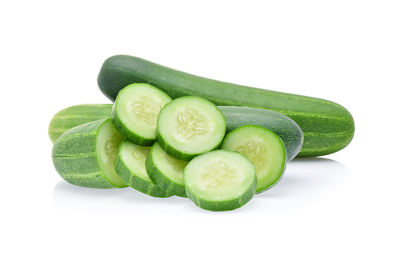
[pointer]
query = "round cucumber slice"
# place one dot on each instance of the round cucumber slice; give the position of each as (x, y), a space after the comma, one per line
(85, 155)
(220, 180)
(135, 112)
(189, 126)
(263, 148)
(166, 171)
(130, 165)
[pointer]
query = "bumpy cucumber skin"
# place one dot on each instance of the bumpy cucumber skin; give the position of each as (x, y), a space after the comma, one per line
(222, 205)
(75, 158)
(327, 126)
(161, 179)
(129, 135)
(282, 167)
(76, 115)
(283, 126)
(138, 183)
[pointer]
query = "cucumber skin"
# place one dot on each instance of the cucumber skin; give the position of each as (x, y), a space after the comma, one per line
(283, 126)
(223, 205)
(138, 183)
(74, 152)
(327, 126)
(162, 180)
(76, 115)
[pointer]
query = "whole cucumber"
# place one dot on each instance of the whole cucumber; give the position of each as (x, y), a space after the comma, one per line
(327, 126)
(283, 126)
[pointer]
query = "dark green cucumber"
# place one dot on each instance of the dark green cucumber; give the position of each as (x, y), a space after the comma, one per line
(283, 126)
(85, 155)
(130, 165)
(76, 115)
(166, 171)
(327, 126)
(220, 180)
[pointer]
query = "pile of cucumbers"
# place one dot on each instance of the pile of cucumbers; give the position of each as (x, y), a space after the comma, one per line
(171, 133)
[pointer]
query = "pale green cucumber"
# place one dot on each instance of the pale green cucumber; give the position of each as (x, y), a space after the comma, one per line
(283, 126)
(189, 126)
(263, 148)
(77, 115)
(220, 180)
(130, 165)
(136, 111)
(85, 155)
(166, 171)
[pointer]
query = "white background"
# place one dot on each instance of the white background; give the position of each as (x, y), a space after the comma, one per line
(339, 210)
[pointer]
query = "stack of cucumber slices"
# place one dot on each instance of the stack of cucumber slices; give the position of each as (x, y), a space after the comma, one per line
(218, 157)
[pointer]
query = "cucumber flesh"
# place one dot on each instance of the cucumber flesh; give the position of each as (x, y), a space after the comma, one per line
(166, 171)
(220, 180)
(107, 142)
(136, 111)
(130, 165)
(85, 155)
(263, 148)
(189, 126)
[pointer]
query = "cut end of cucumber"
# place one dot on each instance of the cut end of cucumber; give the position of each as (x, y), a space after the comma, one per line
(136, 111)
(172, 167)
(107, 143)
(220, 180)
(134, 157)
(131, 165)
(189, 126)
(263, 148)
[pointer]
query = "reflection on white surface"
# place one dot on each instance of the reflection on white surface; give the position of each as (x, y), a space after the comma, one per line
(305, 180)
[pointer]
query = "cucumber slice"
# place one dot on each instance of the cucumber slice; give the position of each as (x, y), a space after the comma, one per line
(189, 126)
(85, 155)
(130, 165)
(136, 110)
(220, 180)
(264, 149)
(166, 171)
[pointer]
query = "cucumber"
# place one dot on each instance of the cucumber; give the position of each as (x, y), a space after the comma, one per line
(189, 126)
(130, 165)
(327, 126)
(136, 111)
(166, 170)
(76, 115)
(220, 180)
(85, 155)
(263, 148)
(283, 126)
